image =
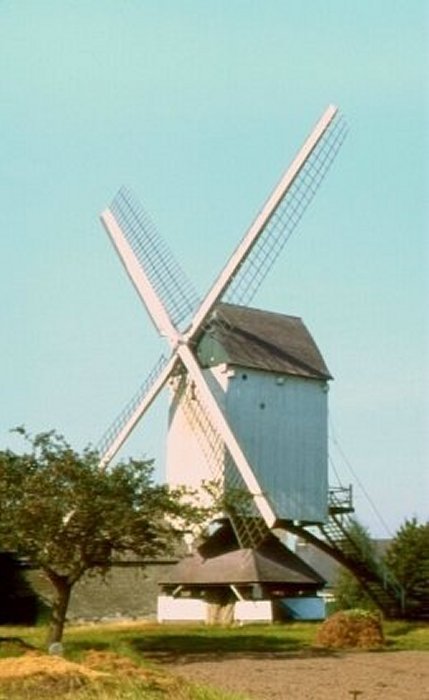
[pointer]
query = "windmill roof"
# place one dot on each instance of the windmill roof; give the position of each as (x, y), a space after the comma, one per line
(219, 561)
(264, 340)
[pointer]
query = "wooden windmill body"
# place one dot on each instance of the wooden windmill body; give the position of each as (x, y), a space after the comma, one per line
(248, 394)
(270, 382)
(248, 387)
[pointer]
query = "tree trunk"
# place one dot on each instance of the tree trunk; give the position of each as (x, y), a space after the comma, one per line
(60, 605)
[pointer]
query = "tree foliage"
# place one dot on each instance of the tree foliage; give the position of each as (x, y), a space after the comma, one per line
(408, 558)
(67, 516)
(349, 592)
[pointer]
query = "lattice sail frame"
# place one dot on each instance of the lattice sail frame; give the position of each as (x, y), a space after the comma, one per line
(164, 272)
(286, 216)
(319, 149)
(170, 300)
(132, 412)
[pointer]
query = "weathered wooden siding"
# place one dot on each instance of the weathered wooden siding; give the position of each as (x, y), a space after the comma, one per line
(281, 423)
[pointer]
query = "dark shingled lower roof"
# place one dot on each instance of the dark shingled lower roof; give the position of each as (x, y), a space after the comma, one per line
(266, 340)
(220, 561)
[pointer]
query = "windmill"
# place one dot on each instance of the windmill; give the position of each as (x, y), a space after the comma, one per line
(184, 321)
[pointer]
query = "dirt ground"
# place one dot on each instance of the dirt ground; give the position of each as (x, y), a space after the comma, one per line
(314, 676)
(311, 675)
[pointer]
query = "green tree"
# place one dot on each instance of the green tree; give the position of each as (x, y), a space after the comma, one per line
(69, 517)
(408, 558)
(349, 592)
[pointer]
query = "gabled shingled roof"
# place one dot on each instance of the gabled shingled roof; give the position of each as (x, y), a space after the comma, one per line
(265, 340)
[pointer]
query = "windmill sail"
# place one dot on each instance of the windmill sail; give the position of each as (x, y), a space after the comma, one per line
(248, 524)
(284, 219)
(252, 259)
(222, 427)
(117, 433)
(164, 273)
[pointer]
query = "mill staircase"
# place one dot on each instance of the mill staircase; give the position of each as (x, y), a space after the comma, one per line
(336, 538)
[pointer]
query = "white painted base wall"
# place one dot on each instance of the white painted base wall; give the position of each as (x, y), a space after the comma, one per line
(194, 610)
(253, 611)
(181, 609)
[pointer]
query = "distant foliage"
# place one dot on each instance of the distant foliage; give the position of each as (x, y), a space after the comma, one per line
(348, 591)
(408, 559)
(350, 594)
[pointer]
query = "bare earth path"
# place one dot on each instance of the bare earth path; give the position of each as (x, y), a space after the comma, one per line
(400, 675)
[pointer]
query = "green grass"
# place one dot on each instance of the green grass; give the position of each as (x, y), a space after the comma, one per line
(137, 641)
(146, 639)
(407, 636)
(172, 640)
(146, 644)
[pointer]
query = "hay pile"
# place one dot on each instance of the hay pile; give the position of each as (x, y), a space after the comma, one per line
(34, 675)
(39, 674)
(351, 629)
(34, 663)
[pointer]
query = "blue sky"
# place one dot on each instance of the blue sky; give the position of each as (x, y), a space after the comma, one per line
(199, 107)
